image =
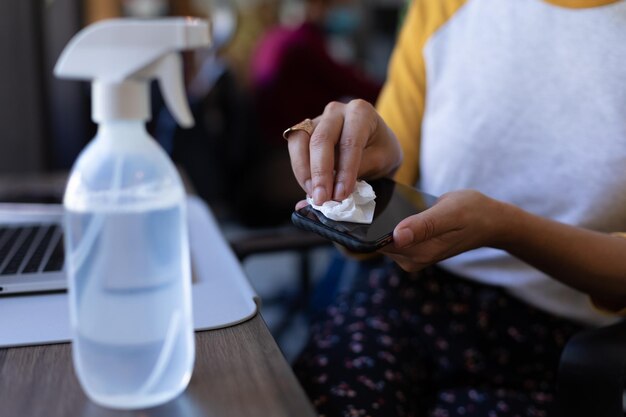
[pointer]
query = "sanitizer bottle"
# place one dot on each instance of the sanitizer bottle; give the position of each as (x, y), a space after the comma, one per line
(126, 232)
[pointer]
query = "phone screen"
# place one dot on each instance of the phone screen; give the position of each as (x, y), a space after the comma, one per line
(394, 202)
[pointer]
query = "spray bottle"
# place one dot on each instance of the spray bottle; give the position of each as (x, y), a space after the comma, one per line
(126, 232)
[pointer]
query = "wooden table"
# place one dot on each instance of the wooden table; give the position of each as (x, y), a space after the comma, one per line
(239, 371)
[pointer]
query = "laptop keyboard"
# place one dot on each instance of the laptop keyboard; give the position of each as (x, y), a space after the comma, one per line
(31, 249)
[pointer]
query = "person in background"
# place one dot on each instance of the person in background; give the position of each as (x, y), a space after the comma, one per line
(512, 111)
(295, 61)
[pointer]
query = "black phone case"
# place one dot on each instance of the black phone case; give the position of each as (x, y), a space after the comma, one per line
(353, 244)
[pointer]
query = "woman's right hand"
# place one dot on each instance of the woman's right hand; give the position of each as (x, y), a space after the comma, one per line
(349, 141)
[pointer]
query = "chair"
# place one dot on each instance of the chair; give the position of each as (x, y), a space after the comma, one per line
(592, 373)
(283, 239)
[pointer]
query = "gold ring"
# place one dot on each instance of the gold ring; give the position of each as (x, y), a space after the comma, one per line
(306, 125)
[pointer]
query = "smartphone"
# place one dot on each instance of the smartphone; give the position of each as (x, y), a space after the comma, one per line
(394, 203)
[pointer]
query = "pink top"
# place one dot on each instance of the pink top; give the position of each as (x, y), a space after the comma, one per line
(294, 77)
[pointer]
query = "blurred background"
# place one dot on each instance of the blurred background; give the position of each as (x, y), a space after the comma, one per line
(272, 64)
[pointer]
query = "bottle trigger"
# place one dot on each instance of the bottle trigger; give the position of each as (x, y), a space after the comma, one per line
(168, 71)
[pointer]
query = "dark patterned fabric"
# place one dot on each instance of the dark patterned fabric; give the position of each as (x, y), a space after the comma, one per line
(431, 344)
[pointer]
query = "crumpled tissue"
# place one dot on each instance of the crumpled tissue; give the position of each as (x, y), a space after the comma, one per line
(358, 207)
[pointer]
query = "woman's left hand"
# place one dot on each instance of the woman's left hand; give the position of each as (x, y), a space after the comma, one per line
(458, 222)
(587, 260)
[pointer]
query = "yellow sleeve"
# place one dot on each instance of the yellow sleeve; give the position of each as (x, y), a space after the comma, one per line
(402, 99)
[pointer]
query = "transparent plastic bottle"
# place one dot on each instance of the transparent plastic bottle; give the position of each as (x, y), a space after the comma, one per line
(129, 270)
(127, 249)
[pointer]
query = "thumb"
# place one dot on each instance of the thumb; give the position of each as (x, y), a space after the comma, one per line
(414, 229)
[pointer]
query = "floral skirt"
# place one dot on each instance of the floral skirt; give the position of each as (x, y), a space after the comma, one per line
(431, 344)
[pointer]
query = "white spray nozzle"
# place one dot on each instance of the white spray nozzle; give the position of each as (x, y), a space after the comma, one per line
(122, 55)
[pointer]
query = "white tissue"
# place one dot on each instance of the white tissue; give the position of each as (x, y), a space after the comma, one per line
(358, 207)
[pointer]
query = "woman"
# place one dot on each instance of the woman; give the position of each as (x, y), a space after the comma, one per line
(513, 112)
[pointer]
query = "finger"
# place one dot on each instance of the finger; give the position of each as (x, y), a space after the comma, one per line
(403, 237)
(382, 155)
(322, 152)
(424, 226)
(373, 164)
(298, 145)
(392, 248)
(413, 230)
(301, 204)
(354, 136)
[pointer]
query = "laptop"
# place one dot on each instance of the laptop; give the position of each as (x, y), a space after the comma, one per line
(32, 257)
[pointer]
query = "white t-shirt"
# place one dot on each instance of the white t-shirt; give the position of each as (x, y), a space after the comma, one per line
(525, 101)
